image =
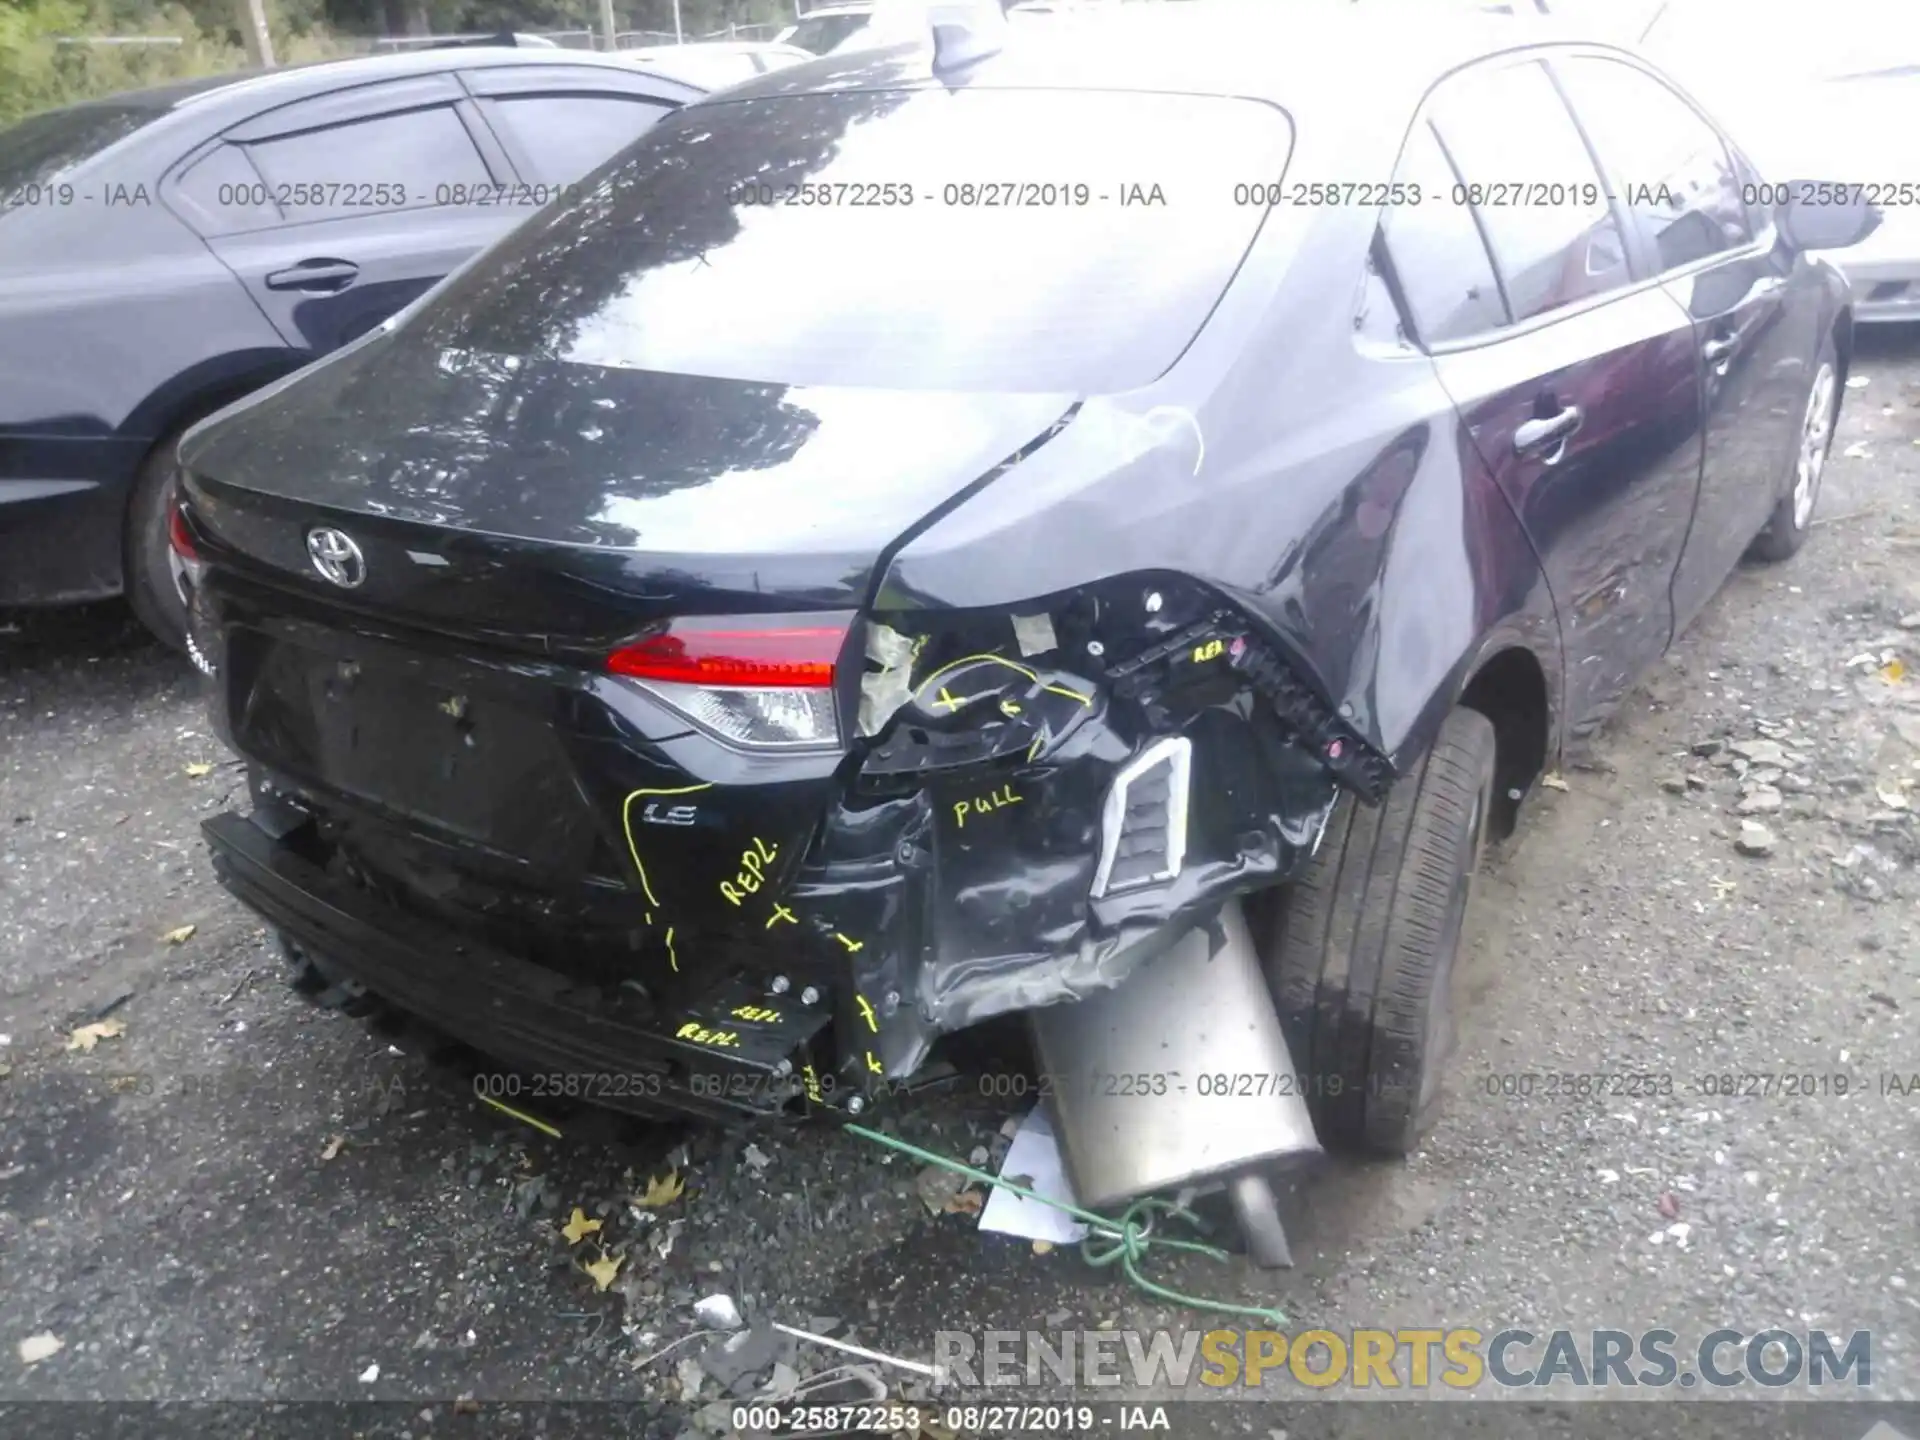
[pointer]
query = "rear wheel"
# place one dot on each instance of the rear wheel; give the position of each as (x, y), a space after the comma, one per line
(1361, 950)
(156, 587)
(1792, 519)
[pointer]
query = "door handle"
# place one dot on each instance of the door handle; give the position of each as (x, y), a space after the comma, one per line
(326, 277)
(1540, 434)
(1716, 351)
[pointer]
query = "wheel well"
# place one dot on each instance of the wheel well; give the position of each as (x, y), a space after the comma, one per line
(1510, 689)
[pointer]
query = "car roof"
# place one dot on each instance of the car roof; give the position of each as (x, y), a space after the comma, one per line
(294, 82)
(1299, 55)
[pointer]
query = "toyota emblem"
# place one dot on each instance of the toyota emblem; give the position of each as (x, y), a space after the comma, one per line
(336, 556)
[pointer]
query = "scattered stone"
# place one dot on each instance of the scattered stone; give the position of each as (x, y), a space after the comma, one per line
(979, 1156)
(1707, 749)
(737, 1363)
(1674, 784)
(1765, 775)
(691, 1377)
(1910, 622)
(718, 1312)
(1886, 1000)
(1760, 800)
(1753, 839)
(1760, 752)
(937, 1186)
(36, 1348)
(1696, 782)
(756, 1159)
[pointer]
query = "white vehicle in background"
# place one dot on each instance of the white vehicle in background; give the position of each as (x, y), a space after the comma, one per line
(828, 28)
(716, 64)
(1836, 97)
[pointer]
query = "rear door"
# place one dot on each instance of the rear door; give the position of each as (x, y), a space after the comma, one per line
(1574, 375)
(338, 210)
(559, 122)
(1683, 189)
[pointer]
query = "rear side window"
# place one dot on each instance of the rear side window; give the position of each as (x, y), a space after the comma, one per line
(402, 161)
(1014, 240)
(1436, 249)
(565, 136)
(1669, 165)
(820, 33)
(1531, 181)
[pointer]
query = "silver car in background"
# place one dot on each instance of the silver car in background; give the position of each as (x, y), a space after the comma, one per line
(1838, 99)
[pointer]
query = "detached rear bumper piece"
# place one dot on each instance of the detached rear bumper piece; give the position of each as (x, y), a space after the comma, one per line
(739, 1053)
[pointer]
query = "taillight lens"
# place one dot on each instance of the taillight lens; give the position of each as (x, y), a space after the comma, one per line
(178, 536)
(757, 681)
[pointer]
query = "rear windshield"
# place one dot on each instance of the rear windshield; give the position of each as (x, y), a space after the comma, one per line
(974, 240)
(34, 153)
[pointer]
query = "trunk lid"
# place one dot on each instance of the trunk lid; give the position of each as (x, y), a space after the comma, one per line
(580, 489)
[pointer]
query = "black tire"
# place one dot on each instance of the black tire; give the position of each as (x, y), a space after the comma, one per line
(1791, 522)
(151, 588)
(1360, 950)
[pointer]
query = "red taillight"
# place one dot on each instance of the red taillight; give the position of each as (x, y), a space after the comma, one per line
(178, 536)
(787, 654)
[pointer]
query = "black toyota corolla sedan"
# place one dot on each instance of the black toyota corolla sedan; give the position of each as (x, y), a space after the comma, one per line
(164, 252)
(1096, 522)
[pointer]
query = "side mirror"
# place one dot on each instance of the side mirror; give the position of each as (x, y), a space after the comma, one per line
(1820, 215)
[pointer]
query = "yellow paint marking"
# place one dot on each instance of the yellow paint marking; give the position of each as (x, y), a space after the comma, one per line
(947, 699)
(866, 1014)
(700, 1035)
(854, 947)
(752, 873)
(813, 1083)
(999, 800)
(1212, 650)
(757, 1013)
(521, 1115)
(780, 912)
(673, 956)
(874, 1065)
(1034, 749)
(1032, 675)
(1009, 708)
(626, 823)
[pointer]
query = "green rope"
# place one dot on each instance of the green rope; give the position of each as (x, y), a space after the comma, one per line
(1124, 1241)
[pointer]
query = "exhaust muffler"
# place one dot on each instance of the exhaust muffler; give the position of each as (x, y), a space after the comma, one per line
(1180, 1077)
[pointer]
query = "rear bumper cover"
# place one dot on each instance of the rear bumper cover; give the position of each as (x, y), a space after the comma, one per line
(521, 1014)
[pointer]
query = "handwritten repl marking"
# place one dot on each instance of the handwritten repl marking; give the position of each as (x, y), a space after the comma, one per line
(866, 1014)
(752, 873)
(626, 823)
(1212, 650)
(998, 800)
(700, 1035)
(1032, 675)
(756, 1013)
(813, 1083)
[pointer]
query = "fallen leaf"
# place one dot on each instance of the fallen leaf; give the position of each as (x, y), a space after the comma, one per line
(1554, 782)
(1043, 1247)
(87, 1036)
(579, 1227)
(180, 936)
(1893, 672)
(466, 1405)
(661, 1191)
(967, 1202)
(370, 1374)
(1670, 1205)
(1724, 888)
(196, 771)
(604, 1269)
(5, 1070)
(1892, 799)
(333, 1147)
(1857, 451)
(36, 1348)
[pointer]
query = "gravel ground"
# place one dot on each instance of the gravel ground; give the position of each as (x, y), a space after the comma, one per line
(239, 1197)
